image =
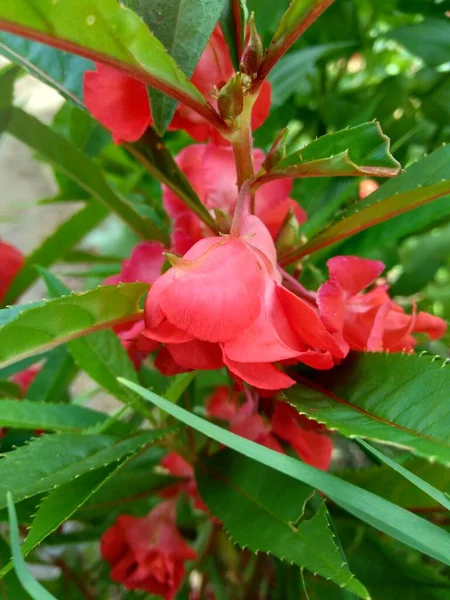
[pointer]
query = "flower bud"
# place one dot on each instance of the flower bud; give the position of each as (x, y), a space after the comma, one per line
(253, 50)
(277, 152)
(230, 99)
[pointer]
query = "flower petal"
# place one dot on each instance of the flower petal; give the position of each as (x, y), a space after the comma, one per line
(262, 375)
(354, 273)
(196, 355)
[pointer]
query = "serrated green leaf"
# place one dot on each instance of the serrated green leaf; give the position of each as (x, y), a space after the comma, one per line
(426, 488)
(360, 150)
(100, 354)
(68, 418)
(263, 510)
(65, 237)
(397, 399)
(429, 39)
(151, 152)
(80, 168)
(35, 589)
(104, 31)
(60, 70)
(183, 27)
(378, 241)
(385, 516)
(55, 459)
(63, 319)
(368, 214)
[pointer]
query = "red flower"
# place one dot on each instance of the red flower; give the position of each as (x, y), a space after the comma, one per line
(304, 436)
(12, 260)
(369, 321)
(122, 105)
(144, 265)
(223, 304)
(211, 170)
(367, 187)
(147, 553)
(179, 467)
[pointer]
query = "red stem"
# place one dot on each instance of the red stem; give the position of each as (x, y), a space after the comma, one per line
(238, 26)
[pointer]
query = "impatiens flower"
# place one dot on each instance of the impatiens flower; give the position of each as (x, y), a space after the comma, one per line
(223, 304)
(147, 553)
(367, 187)
(176, 465)
(12, 260)
(369, 321)
(144, 265)
(25, 378)
(285, 425)
(211, 170)
(122, 104)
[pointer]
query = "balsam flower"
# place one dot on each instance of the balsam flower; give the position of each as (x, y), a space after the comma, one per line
(223, 304)
(147, 553)
(12, 260)
(369, 321)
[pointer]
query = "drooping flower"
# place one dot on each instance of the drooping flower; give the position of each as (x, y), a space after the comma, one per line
(12, 260)
(285, 425)
(147, 553)
(369, 321)
(223, 304)
(121, 103)
(144, 265)
(211, 170)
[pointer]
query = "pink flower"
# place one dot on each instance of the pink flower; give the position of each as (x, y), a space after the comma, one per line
(176, 465)
(147, 553)
(286, 425)
(223, 304)
(12, 260)
(211, 170)
(122, 105)
(369, 321)
(367, 187)
(144, 265)
(25, 378)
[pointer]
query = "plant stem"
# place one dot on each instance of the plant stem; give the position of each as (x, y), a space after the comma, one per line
(239, 211)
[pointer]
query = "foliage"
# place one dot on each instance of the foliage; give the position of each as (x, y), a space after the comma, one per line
(206, 403)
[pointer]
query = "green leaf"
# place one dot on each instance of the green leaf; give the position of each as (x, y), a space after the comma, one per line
(183, 27)
(100, 355)
(80, 168)
(151, 152)
(292, 72)
(52, 381)
(103, 31)
(8, 76)
(61, 70)
(65, 237)
(396, 399)
(391, 519)
(386, 482)
(384, 237)
(300, 15)
(369, 213)
(63, 319)
(429, 39)
(10, 585)
(55, 459)
(35, 589)
(264, 511)
(68, 418)
(179, 385)
(360, 150)
(427, 488)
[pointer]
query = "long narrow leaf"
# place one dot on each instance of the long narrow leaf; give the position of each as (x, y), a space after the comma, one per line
(381, 514)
